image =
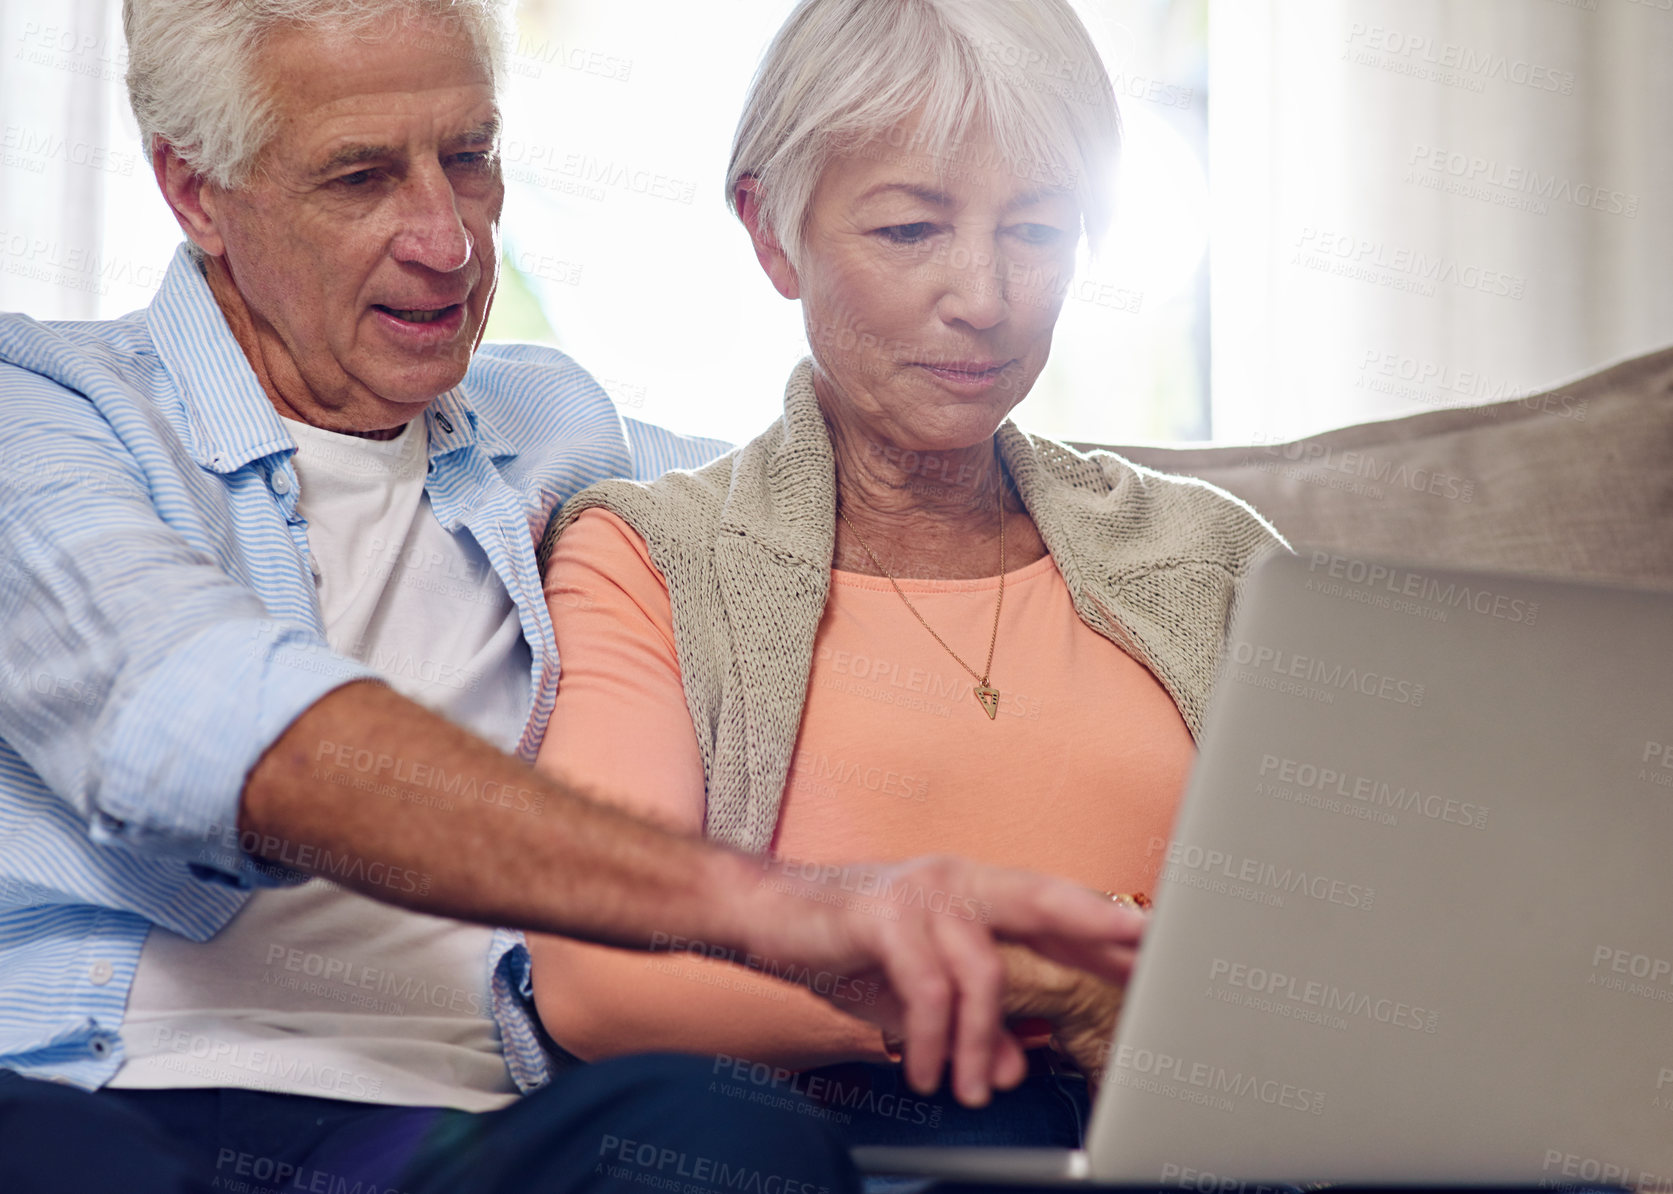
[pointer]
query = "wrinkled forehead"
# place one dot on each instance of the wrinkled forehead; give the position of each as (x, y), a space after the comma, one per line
(407, 50)
(412, 24)
(422, 73)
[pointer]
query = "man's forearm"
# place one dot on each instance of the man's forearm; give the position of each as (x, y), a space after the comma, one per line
(367, 785)
(379, 794)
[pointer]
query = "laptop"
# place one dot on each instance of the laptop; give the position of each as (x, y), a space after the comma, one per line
(1415, 923)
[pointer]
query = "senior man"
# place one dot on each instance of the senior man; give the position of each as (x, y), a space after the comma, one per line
(276, 658)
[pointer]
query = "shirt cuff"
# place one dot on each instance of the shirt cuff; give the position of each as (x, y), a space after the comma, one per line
(169, 776)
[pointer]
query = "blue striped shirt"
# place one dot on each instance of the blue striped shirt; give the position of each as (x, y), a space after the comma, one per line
(160, 631)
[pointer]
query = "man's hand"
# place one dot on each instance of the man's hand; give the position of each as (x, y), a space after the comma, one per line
(926, 932)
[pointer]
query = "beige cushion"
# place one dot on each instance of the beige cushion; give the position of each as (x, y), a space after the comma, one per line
(1577, 481)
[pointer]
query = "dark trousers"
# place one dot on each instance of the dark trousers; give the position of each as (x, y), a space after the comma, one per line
(645, 1123)
(872, 1105)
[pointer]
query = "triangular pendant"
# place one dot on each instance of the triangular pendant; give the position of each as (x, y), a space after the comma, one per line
(989, 697)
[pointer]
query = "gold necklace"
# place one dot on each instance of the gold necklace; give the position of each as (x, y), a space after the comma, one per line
(986, 695)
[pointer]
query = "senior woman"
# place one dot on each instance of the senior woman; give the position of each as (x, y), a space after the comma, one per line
(894, 622)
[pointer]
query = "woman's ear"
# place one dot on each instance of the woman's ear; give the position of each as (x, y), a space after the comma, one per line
(767, 249)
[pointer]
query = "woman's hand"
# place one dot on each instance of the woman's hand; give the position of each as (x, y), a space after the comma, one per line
(1080, 1009)
(919, 943)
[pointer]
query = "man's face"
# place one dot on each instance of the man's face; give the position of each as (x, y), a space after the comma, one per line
(365, 250)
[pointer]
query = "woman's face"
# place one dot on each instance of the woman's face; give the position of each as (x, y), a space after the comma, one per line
(930, 289)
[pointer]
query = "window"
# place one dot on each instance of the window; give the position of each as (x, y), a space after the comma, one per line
(620, 248)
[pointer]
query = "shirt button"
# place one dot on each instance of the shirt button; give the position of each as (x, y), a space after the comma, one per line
(281, 484)
(100, 973)
(100, 1046)
(313, 565)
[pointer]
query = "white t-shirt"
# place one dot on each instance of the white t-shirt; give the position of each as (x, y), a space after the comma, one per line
(316, 990)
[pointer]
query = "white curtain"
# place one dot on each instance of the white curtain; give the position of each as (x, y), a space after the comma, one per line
(60, 65)
(1419, 203)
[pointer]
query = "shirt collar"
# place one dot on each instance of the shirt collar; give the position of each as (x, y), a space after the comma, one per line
(231, 420)
(455, 423)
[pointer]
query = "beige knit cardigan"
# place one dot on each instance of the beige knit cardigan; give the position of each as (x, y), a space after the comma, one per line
(745, 543)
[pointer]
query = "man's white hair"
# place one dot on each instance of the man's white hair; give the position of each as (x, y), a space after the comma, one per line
(193, 76)
(841, 74)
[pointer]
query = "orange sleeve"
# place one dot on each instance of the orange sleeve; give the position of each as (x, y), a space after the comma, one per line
(621, 730)
(620, 725)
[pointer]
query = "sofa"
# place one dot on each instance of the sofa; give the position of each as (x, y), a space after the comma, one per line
(1576, 481)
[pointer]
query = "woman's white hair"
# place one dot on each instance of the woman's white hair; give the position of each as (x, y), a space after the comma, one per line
(842, 73)
(193, 76)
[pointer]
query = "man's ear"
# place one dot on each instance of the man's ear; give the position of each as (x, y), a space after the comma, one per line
(185, 188)
(767, 249)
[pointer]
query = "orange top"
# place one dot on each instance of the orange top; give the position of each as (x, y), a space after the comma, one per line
(1078, 776)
